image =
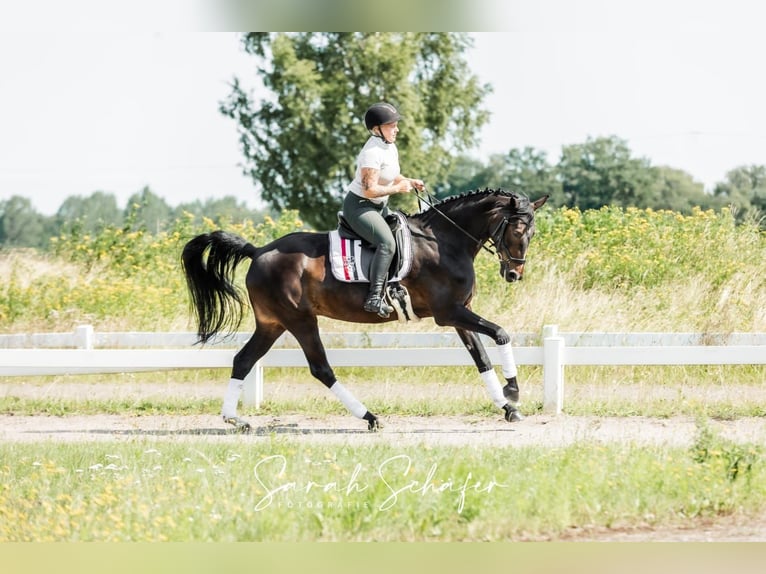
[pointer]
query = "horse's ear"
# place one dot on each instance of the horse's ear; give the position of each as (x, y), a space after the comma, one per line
(540, 202)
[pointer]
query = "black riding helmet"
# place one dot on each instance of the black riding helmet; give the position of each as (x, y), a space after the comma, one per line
(379, 114)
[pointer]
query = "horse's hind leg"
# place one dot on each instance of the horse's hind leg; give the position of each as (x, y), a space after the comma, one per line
(307, 335)
(244, 361)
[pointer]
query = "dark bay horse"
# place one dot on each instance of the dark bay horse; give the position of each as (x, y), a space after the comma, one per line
(290, 284)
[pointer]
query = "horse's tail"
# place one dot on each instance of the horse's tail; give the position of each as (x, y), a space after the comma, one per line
(215, 301)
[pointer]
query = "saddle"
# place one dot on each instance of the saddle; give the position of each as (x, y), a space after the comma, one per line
(350, 258)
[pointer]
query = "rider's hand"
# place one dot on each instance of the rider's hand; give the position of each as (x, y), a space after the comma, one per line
(418, 184)
(407, 184)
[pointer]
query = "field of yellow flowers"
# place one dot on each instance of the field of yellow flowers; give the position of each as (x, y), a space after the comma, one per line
(604, 269)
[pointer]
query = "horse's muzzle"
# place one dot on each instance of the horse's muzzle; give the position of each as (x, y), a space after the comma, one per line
(511, 274)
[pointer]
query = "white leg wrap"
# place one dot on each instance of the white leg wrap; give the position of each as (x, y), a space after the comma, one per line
(231, 398)
(493, 386)
(507, 361)
(350, 401)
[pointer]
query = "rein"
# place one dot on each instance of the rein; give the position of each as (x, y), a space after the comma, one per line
(499, 231)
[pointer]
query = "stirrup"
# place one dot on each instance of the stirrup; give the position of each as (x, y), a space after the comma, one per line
(376, 304)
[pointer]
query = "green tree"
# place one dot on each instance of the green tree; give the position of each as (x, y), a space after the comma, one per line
(524, 170)
(300, 143)
(91, 213)
(745, 189)
(602, 172)
(227, 208)
(21, 225)
(467, 173)
(528, 171)
(676, 190)
(148, 210)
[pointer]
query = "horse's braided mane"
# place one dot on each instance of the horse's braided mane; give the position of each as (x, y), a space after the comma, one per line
(448, 201)
(485, 191)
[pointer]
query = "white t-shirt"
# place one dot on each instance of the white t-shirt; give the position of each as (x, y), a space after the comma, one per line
(381, 156)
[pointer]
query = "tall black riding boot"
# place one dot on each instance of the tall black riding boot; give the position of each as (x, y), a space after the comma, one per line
(375, 303)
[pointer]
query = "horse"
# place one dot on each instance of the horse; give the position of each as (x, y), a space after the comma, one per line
(290, 284)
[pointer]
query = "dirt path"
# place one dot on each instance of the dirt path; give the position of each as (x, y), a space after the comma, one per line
(543, 430)
(441, 430)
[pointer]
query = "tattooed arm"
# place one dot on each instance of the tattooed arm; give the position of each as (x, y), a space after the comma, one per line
(372, 188)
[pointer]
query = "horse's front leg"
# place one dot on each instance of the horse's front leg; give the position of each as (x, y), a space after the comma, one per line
(465, 319)
(468, 326)
(487, 372)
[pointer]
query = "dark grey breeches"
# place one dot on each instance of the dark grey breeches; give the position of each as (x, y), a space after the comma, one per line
(367, 219)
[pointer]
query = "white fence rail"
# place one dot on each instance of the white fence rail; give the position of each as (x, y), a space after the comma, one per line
(86, 351)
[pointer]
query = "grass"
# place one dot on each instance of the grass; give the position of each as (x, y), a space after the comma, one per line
(283, 490)
(719, 392)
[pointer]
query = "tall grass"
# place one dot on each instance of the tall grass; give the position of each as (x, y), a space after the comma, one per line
(607, 269)
(121, 279)
(636, 270)
(278, 490)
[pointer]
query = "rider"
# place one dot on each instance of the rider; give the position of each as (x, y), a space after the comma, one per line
(365, 206)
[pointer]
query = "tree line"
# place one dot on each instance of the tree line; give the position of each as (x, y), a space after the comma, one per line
(602, 171)
(21, 225)
(598, 172)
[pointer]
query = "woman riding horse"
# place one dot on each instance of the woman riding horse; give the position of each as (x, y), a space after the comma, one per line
(365, 206)
(290, 283)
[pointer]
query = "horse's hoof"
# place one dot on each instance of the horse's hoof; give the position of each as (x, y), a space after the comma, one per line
(373, 424)
(512, 414)
(239, 424)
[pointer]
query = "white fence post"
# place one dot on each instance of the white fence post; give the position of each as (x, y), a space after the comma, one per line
(84, 337)
(252, 388)
(553, 370)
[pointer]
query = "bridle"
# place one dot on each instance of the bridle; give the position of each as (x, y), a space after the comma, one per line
(502, 251)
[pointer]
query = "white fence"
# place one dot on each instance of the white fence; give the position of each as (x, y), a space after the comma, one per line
(86, 351)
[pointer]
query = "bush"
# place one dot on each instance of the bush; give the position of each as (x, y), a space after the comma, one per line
(123, 278)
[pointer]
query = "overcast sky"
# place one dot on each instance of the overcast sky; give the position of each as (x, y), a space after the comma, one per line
(682, 82)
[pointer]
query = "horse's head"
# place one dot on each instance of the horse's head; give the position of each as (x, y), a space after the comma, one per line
(511, 234)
